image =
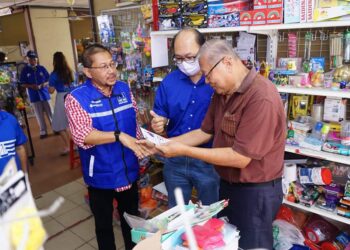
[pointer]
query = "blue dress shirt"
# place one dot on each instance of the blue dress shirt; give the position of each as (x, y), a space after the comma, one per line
(183, 102)
(35, 75)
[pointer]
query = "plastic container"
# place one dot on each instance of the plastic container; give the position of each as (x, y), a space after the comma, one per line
(340, 242)
(316, 132)
(317, 176)
(318, 230)
(345, 133)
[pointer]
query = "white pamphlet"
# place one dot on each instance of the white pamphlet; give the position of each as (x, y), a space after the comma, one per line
(154, 138)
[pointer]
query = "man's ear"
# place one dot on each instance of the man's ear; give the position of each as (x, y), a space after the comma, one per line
(87, 72)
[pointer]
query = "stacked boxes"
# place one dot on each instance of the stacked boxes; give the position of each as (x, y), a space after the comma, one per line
(194, 14)
(265, 12)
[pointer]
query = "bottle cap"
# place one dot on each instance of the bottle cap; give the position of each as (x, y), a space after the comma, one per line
(318, 126)
(326, 176)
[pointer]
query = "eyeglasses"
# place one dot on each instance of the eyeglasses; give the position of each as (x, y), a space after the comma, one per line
(216, 64)
(190, 59)
(105, 67)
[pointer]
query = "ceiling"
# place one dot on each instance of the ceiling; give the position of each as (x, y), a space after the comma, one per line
(46, 3)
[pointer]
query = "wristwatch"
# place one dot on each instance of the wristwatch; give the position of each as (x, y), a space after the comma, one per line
(116, 135)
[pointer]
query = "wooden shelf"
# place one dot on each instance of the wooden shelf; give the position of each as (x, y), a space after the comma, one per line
(319, 211)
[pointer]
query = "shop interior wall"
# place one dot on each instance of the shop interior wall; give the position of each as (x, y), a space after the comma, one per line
(81, 29)
(13, 31)
(52, 33)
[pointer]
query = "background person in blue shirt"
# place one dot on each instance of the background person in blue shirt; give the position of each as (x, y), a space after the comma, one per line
(12, 141)
(34, 78)
(181, 103)
(61, 79)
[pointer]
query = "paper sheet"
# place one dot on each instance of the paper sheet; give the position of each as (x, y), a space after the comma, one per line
(154, 138)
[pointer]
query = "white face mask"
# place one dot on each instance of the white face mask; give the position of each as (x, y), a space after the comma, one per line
(189, 68)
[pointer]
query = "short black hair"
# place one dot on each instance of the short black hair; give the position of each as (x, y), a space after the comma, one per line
(90, 51)
(199, 37)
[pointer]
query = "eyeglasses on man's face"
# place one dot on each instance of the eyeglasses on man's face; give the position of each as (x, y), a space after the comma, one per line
(189, 59)
(212, 68)
(105, 67)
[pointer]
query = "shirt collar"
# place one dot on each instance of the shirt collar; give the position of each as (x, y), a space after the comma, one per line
(247, 81)
(100, 89)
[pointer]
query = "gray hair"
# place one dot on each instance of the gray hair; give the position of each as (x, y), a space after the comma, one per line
(215, 49)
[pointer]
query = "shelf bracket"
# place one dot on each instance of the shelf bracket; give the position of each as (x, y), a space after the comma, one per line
(272, 45)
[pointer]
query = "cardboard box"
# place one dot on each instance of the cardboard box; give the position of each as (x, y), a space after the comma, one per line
(292, 11)
(273, 4)
(274, 16)
(246, 18)
(260, 4)
(259, 17)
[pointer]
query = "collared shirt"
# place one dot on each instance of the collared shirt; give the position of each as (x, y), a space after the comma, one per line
(80, 123)
(35, 75)
(11, 136)
(183, 102)
(253, 123)
(58, 84)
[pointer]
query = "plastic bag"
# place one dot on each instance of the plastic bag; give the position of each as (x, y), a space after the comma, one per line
(285, 235)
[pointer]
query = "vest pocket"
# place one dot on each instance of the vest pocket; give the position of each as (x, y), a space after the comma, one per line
(91, 165)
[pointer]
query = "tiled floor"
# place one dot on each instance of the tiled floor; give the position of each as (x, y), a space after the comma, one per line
(72, 226)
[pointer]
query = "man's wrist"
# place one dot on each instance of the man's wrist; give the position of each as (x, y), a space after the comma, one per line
(117, 135)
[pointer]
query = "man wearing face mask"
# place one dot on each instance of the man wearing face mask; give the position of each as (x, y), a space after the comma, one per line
(181, 103)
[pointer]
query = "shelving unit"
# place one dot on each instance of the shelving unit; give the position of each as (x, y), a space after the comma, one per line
(315, 210)
(314, 91)
(318, 154)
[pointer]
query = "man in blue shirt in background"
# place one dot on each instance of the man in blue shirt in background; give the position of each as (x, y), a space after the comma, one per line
(181, 103)
(12, 141)
(35, 78)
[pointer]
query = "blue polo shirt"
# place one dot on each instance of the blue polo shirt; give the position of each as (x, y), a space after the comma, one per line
(11, 136)
(182, 102)
(58, 84)
(35, 75)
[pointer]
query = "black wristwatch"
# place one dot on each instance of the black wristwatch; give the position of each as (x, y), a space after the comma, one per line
(116, 135)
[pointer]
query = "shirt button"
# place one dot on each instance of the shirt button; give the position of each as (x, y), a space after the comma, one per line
(189, 128)
(193, 101)
(194, 87)
(191, 115)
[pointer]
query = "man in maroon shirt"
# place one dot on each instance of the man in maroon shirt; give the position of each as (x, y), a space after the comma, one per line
(246, 121)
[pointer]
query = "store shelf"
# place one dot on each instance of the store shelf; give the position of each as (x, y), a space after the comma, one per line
(300, 26)
(252, 29)
(171, 33)
(314, 91)
(315, 210)
(319, 154)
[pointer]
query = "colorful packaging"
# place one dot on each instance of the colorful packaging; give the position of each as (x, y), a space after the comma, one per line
(310, 6)
(197, 7)
(228, 20)
(273, 4)
(169, 8)
(246, 18)
(195, 20)
(170, 22)
(292, 11)
(317, 176)
(260, 4)
(274, 16)
(217, 8)
(259, 17)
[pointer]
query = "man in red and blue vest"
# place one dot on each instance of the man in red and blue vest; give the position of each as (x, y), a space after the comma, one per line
(102, 119)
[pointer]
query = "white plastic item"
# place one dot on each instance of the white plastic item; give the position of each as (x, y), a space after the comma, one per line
(285, 235)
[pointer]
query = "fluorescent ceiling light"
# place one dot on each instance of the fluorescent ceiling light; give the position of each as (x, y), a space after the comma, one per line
(5, 11)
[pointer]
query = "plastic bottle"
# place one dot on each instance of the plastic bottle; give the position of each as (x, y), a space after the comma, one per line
(319, 230)
(324, 131)
(316, 132)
